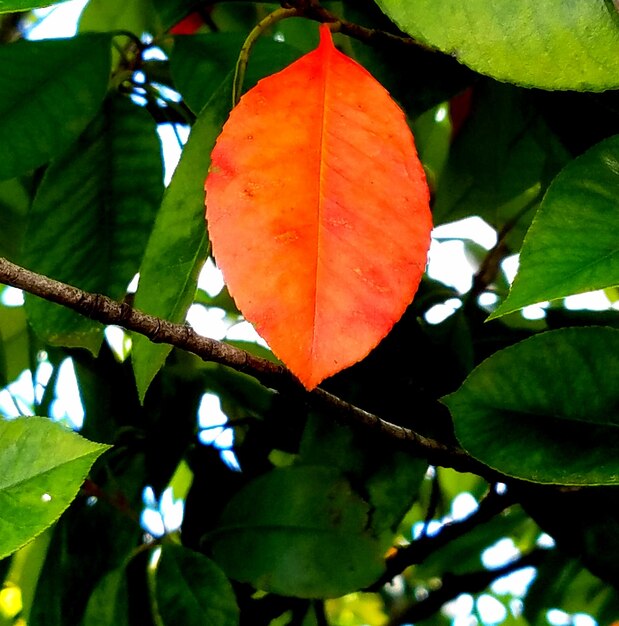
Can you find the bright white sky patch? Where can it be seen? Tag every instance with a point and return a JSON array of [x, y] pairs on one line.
[[490, 609], [57, 21]]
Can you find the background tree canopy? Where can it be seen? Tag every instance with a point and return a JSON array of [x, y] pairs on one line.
[[466, 469]]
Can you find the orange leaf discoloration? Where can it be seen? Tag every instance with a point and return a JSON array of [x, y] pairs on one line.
[[318, 211]]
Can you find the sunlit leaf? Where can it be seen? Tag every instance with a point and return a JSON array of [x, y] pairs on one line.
[[137, 16], [552, 45], [14, 343], [314, 169], [298, 531], [431, 78], [10, 6], [178, 244], [40, 115], [42, 466], [573, 243], [545, 409]]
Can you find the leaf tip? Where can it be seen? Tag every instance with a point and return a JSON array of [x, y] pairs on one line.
[[326, 39]]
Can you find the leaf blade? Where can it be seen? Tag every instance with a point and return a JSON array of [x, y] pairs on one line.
[[178, 246], [578, 212], [39, 116], [548, 45], [192, 589], [283, 206], [11, 6], [555, 395], [287, 529], [35, 489], [101, 218]]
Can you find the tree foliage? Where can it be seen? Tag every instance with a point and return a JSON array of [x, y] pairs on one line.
[[341, 505]]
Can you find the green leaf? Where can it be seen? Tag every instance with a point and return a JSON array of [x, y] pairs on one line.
[[391, 478], [573, 243], [11, 6], [103, 195], [192, 590], [298, 531], [551, 45], [109, 603], [42, 466], [199, 63], [178, 245], [500, 162], [464, 554], [15, 200], [50, 91], [170, 12], [137, 16], [431, 77], [14, 343], [75, 564], [545, 409]]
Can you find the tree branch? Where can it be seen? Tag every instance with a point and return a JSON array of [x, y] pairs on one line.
[[455, 584], [420, 549], [107, 311], [312, 10]]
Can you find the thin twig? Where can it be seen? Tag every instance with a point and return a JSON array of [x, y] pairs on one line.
[[312, 10], [107, 311], [241, 64], [455, 584], [489, 269], [419, 550]]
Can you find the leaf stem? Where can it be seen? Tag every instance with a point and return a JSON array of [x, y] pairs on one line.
[[313, 10], [259, 28]]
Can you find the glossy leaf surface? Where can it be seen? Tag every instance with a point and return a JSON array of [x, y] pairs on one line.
[[509, 410], [35, 488], [35, 129], [551, 45], [9, 6], [137, 16], [315, 168], [101, 219], [579, 213], [178, 245], [288, 528]]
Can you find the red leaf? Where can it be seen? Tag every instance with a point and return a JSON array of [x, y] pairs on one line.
[[318, 212], [188, 25]]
